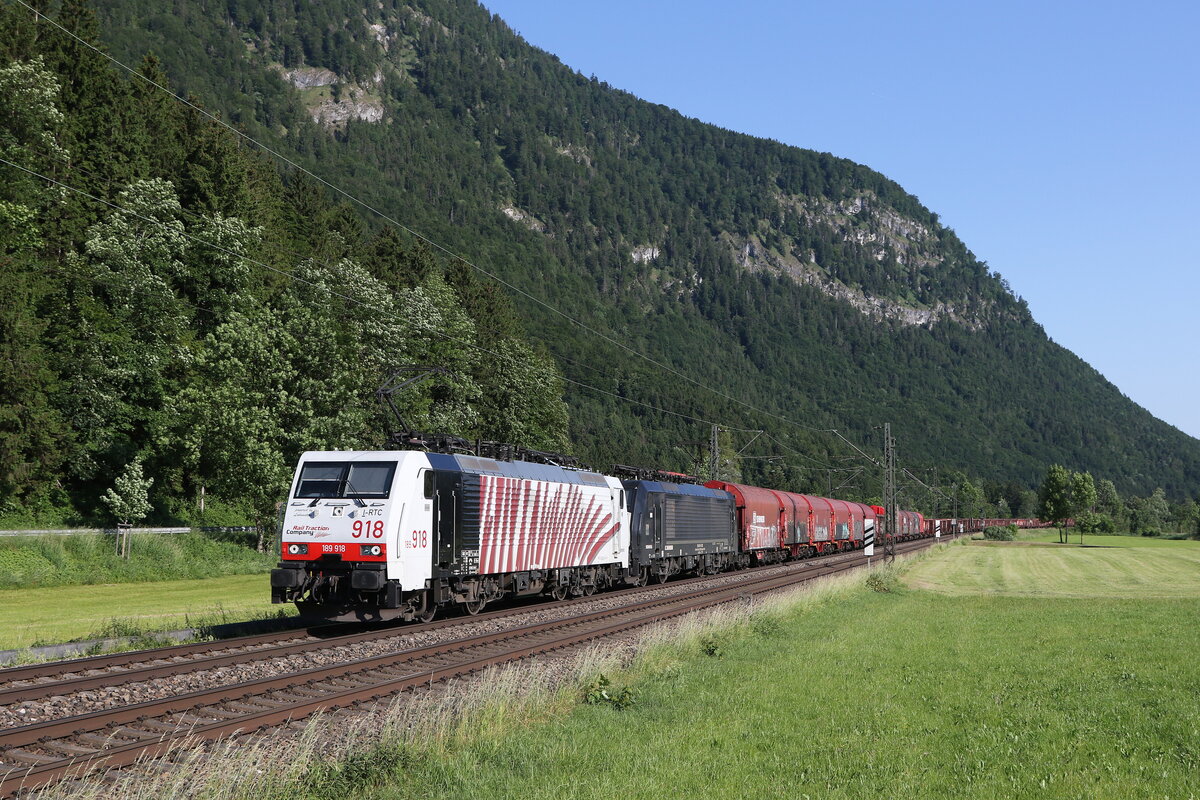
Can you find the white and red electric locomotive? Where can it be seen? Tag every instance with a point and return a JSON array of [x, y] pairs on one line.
[[397, 534]]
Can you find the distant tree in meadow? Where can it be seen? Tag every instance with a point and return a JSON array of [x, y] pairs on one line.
[[1054, 499]]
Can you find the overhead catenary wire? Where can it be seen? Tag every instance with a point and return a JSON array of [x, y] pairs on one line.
[[933, 489], [822, 466]]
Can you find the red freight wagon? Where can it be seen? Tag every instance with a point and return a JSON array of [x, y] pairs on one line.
[[849, 523], [794, 520], [841, 523], [821, 527], [761, 517], [909, 524], [823, 524]]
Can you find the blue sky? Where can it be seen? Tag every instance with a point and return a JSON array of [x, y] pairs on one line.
[[1060, 140]]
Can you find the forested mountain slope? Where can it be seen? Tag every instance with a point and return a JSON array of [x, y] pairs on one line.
[[168, 302], [741, 262], [788, 286]]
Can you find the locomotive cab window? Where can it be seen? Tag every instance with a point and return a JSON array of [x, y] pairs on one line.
[[320, 479], [370, 479], [335, 479]]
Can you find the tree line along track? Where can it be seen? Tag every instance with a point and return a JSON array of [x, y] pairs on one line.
[[40, 753]]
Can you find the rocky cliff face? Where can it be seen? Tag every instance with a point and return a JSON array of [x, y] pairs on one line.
[[903, 247], [331, 101]]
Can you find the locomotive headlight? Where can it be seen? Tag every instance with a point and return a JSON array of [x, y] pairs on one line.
[[370, 549], [297, 549]]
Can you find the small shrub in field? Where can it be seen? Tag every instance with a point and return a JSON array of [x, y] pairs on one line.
[[882, 580], [602, 692], [766, 625], [711, 646], [999, 533]]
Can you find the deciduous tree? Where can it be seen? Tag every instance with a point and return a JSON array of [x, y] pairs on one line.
[[129, 498], [1054, 499]]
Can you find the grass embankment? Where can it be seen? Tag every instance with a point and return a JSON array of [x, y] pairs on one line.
[[899, 694], [51, 615], [28, 561]]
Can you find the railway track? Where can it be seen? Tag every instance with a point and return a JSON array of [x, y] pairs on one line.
[[58, 678], [40, 753]]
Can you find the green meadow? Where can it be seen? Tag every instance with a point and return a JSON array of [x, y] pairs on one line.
[[974, 672], [63, 614], [1105, 567]]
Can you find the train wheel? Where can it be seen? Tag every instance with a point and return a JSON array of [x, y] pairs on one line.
[[589, 589], [560, 591], [643, 577], [473, 607], [429, 611]]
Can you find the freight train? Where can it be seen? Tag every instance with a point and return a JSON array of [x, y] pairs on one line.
[[376, 535]]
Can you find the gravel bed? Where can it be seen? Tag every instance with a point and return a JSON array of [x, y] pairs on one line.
[[406, 637]]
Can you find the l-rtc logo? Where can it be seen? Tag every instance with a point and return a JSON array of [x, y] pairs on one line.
[[758, 518]]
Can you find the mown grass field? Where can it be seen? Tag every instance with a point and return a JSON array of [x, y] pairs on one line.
[[61, 614], [1112, 567], [1050, 536], [907, 693]]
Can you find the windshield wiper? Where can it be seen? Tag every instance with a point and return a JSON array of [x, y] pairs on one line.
[[351, 490]]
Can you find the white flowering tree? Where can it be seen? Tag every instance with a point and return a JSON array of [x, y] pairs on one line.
[[128, 501]]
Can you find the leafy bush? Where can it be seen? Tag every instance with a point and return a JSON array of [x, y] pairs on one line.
[[602, 692], [217, 513], [1092, 522], [882, 580], [1000, 533], [42, 510]]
